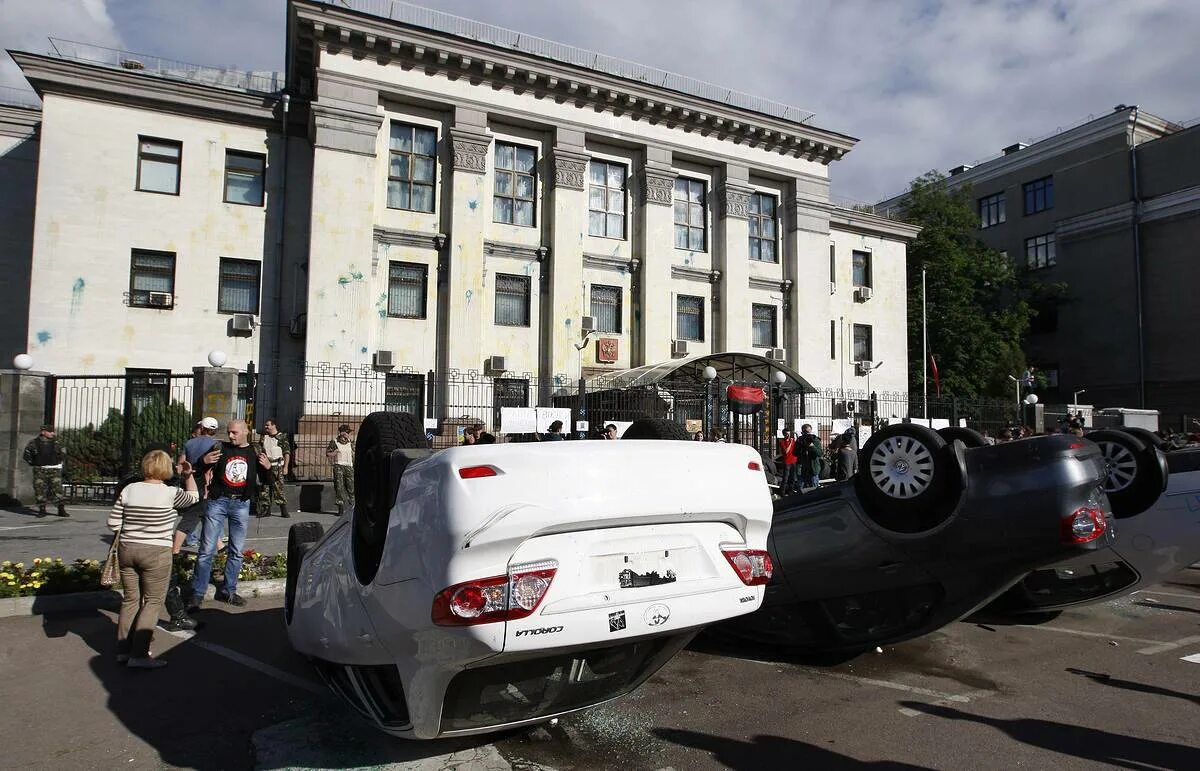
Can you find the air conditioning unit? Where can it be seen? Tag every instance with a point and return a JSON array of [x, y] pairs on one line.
[[383, 360], [679, 348], [161, 299], [776, 354], [862, 294], [242, 322], [587, 324], [496, 364], [862, 367]]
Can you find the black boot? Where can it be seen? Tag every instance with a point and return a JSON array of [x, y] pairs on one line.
[[180, 620], [62, 510], [340, 511], [41, 510], [283, 512]]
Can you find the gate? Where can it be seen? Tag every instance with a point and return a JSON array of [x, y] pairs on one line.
[[104, 422]]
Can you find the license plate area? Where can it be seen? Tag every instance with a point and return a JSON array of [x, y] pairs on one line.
[[647, 568], [652, 569]]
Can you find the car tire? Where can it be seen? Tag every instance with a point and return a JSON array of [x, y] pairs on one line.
[[968, 436], [909, 479], [654, 428], [1149, 438], [379, 434], [302, 536], [1137, 473]]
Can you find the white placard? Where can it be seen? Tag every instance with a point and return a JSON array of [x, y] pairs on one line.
[[962, 422], [581, 425], [431, 423], [936, 423], [864, 433], [518, 420], [547, 415], [840, 426]]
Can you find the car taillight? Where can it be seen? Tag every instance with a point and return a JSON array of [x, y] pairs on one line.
[[754, 466], [500, 598], [753, 566], [477, 472], [1086, 524]]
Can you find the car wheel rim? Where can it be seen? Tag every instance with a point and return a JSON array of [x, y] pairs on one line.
[[1120, 465], [902, 467]]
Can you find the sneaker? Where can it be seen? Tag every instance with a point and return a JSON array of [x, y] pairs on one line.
[[233, 599], [181, 623], [145, 663]]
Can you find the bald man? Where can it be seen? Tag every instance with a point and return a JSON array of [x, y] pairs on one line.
[[237, 472]]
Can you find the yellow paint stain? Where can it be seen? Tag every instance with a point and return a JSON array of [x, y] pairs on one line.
[[127, 333], [87, 360], [52, 233], [122, 362]]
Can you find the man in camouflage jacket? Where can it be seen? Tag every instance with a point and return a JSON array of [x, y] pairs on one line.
[[46, 458]]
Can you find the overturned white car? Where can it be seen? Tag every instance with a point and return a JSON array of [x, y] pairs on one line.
[[490, 586]]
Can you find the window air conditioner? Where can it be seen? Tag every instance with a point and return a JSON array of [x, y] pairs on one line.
[[496, 363], [383, 360], [776, 354], [161, 299], [862, 294], [862, 367], [242, 322], [587, 324], [679, 348]]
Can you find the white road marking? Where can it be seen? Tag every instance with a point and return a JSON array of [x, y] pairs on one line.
[[1083, 633], [1169, 594], [1193, 659], [1168, 646], [23, 527], [252, 663]]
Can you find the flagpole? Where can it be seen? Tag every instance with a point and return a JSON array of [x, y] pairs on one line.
[[924, 352]]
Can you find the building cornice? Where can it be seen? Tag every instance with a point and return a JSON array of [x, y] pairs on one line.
[[1173, 204], [20, 122], [870, 224], [335, 29], [688, 273], [517, 251], [413, 238], [52, 75], [606, 262], [770, 284]]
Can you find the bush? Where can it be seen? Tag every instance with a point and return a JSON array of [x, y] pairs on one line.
[[95, 453]]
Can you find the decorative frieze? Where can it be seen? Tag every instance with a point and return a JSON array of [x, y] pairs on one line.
[[570, 170], [470, 150], [658, 187], [735, 201]]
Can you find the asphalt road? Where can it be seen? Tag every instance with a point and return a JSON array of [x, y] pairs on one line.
[[1115, 685]]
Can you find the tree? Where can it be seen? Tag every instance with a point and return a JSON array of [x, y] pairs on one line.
[[978, 307], [96, 453]]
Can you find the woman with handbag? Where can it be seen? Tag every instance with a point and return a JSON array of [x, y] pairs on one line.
[[143, 519]]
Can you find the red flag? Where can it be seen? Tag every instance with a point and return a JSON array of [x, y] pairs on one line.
[[937, 381]]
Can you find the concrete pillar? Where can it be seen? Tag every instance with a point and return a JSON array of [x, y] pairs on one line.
[[732, 254], [469, 287], [656, 186], [568, 213], [22, 412], [215, 394], [806, 263]]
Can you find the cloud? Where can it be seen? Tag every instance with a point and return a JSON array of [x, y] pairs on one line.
[[923, 84], [26, 24]]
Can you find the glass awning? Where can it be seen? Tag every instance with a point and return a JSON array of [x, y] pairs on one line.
[[735, 367]]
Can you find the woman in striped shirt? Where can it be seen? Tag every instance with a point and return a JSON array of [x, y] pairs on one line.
[[145, 514]]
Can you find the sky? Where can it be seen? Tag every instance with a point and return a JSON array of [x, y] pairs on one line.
[[922, 84]]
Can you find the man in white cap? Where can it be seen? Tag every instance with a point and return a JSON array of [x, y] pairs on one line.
[[203, 440]]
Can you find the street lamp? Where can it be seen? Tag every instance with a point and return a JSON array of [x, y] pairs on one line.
[[1017, 382], [23, 361], [780, 378], [1075, 397], [217, 358], [871, 368], [710, 377]]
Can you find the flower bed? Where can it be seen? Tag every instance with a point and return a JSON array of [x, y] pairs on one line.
[[46, 575]]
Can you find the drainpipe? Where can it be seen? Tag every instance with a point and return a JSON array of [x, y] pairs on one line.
[[1137, 259], [285, 101]]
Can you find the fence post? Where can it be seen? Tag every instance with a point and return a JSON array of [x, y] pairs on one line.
[[583, 410], [954, 410], [23, 410], [874, 398], [215, 394], [127, 424]]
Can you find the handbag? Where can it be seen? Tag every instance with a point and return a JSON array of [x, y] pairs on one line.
[[110, 573]]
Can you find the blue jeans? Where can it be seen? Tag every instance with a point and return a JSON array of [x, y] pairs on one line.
[[216, 513], [789, 482], [811, 480]]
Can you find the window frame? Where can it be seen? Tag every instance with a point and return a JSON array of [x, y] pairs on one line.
[[496, 170], [753, 216], [868, 269], [688, 205], [433, 182], [995, 204], [1043, 186], [620, 305], [424, 303], [525, 281], [870, 342], [141, 155], [1048, 244], [754, 308], [262, 193], [699, 317], [607, 191], [133, 292], [221, 308]]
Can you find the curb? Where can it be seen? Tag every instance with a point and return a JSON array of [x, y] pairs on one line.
[[110, 599]]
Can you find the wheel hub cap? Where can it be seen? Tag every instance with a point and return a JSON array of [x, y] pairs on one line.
[[902, 467], [1120, 467]]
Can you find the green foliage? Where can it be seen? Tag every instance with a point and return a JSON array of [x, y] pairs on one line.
[[46, 575], [95, 453], [978, 306]]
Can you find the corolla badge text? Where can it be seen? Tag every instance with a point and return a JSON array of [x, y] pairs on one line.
[[657, 614], [540, 630]]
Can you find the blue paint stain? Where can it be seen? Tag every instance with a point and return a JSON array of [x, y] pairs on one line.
[[78, 287], [470, 294], [473, 204], [43, 337], [363, 349], [343, 280], [76, 294]]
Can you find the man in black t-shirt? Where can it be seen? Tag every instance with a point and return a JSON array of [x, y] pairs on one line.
[[237, 472]]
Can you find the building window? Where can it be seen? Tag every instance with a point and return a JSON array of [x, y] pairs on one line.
[[764, 326], [512, 300], [832, 265], [689, 318], [762, 227], [862, 343], [407, 282], [244, 174], [606, 308], [508, 392], [832, 339], [404, 393], [606, 200], [1039, 251], [238, 290], [862, 268], [152, 279], [412, 162], [690, 219], [1039, 195], [515, 193], [158, 165], [992, 210]]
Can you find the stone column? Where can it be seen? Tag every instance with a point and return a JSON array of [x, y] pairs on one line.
[[22, 412], [469, 292], [215, 394], [569, 213], [656, 186], [733, 259]]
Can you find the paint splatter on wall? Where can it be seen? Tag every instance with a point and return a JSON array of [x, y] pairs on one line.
[[43, 337], [77, 294]]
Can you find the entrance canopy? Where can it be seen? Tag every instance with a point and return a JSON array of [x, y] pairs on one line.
[[736, 367]]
